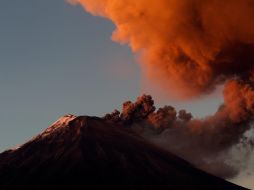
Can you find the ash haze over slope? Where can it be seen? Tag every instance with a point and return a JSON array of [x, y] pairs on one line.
[[83, 152], [187, 48], [215, 144]]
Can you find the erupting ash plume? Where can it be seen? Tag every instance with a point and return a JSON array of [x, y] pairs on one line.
[[212, 144], [189, 47]]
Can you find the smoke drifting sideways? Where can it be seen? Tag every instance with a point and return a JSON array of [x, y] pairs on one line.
[[218, 144], [187, 47]]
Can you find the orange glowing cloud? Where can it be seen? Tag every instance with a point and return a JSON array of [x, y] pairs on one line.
[[186, 46]]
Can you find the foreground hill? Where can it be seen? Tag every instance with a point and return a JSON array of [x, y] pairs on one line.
[[88, 152]]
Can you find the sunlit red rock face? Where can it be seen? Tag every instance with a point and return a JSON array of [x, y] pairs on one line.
[[88, 152]]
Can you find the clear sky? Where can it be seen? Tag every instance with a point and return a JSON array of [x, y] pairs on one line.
[[57, 59]]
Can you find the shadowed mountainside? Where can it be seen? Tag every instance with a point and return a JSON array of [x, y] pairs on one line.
[[89, 152]]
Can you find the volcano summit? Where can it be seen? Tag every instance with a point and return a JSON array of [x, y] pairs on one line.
[[89, 152]]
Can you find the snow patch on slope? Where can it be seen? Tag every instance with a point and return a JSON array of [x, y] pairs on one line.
[[61, 122]]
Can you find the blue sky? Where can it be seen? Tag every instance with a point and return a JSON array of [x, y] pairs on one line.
[[57, 59]]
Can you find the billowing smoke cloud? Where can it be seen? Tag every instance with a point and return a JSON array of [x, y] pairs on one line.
[[187, 48], [217, 144]]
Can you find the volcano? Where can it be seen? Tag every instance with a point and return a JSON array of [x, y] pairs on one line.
[[89, 152]]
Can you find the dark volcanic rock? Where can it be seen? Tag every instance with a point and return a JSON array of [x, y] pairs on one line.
[[88, 152]]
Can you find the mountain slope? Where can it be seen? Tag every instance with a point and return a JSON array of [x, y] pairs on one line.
[[83, 152]]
